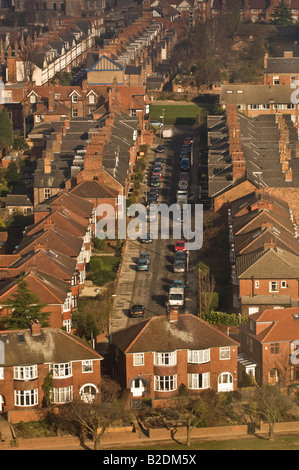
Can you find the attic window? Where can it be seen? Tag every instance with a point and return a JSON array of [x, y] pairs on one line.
[[296, 316], [229, 92], [20, 338], [240, 91], [74, 99], [57, 96]]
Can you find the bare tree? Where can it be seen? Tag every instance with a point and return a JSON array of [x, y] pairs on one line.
[[191, 412], [94, 416], [26, 55], [270, 404]]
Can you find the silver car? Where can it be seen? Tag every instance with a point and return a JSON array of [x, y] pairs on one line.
[[178, 267]]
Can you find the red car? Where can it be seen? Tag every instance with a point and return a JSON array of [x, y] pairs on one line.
[[188, 141], [180, 246]]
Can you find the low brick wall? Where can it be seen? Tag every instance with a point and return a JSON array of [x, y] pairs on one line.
[[117, 436]]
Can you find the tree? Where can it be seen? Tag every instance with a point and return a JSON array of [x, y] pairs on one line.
[[25, 306], [6, 131], [63, 78], [193, 412], [270, 404], [94, 416], [27, 57], [282, 14], [12, 174]]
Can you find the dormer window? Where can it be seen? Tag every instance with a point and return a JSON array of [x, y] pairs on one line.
[[91, 99], [32, 99], [74, 99]]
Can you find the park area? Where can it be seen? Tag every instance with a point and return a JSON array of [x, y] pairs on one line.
[[176, 112]]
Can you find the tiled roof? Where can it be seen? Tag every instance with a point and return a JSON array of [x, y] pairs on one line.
[[158, 334], [270, 263], [52, 346], [54, 239], [283, 325], [94, 190]]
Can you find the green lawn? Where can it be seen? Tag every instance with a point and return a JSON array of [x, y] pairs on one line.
[[186, 114], [279, 442], [109, 262]]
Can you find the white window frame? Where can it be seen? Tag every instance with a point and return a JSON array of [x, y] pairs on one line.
[[138, 359], [165, 358], [1, 374], [68, 325], [283, 284], [25, 372], [257, 284], [272, 288], [87, 366], [26, 398], [224, 353], [62, 395], [75, 99], [199, 356], [194, 381], [91, 99], [61, 370], [166, 383]]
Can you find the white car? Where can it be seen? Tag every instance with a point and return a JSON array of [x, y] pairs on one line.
[[183, 184]]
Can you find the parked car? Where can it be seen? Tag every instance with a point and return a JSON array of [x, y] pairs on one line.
[[178, 283], [146, 257], [160, 149], [180, 246], [137, 311], [150, 215], [178, 267], [185, 176], [188, 140], [159, 160], [148, 239], [180, 256], [183, 184], [184, 154], [157, 175], [142, 265], [155, 182], [156, 124], [185, 164], [186, 148]]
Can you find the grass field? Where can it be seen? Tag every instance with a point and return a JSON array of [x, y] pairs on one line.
[[279, 442], [175, 114]]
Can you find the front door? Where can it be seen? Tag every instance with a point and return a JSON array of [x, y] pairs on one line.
[[225, 382], [137, 387], [273, 376]]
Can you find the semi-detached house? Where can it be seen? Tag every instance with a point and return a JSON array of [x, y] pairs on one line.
[[154, 357]]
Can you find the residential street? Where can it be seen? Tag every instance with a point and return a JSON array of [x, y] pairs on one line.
[[151, 288]]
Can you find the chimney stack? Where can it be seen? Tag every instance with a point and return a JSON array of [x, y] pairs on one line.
[[173, 314], [35, 328]]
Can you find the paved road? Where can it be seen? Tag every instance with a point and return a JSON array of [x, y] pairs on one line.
[[151, 288]]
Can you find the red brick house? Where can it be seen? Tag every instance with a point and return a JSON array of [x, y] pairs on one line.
[[268, 347], [152, 358], [264, 253], [26, 360], [55, 294]]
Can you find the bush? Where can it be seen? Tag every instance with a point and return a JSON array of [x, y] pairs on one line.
[[100, 278], [95, 264]]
